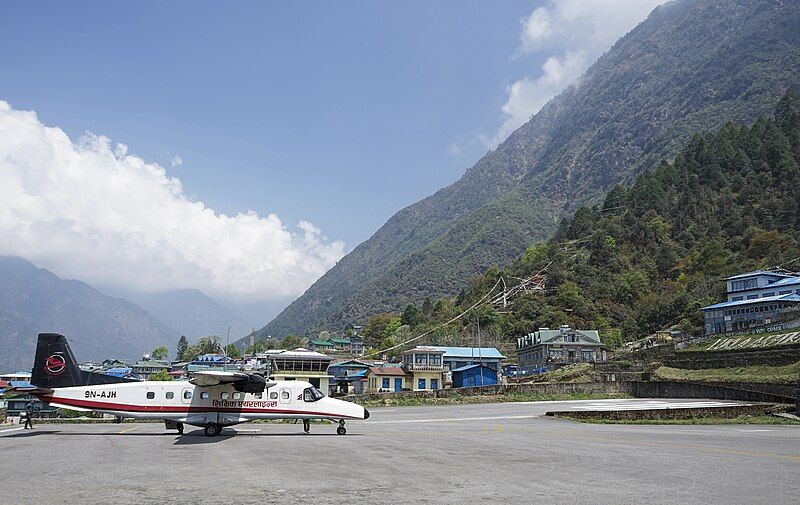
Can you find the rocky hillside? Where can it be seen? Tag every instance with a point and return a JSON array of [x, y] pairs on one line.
[[692, 66], [33, 300]]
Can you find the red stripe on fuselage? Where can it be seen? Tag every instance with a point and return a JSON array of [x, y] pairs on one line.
[[178, 409]]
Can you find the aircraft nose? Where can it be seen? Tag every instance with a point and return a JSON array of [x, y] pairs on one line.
[[366, 414]]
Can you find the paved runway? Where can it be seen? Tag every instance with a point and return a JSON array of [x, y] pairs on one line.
[[494, 453]]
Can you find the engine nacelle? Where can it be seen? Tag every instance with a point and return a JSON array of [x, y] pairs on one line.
[[252, 384]]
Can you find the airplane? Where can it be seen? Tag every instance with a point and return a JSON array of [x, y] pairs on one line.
[[210, 399]]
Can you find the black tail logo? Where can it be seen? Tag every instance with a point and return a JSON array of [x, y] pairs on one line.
[[55, 366]]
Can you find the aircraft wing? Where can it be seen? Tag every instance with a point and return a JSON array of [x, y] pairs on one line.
[[215, 378], [27, 389], [244, 382]]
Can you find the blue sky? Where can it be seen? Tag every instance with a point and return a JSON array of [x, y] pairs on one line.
[[322, 118], [339, 113]]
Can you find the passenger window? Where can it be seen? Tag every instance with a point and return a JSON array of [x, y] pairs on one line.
[[284, 395], [273, 396], [224, 395], [187, 395], [204, 395], [170, 395], [258, 396], [237, 396], [150, 395]]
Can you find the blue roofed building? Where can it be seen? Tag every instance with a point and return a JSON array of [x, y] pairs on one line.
[[755, 299], [456, 357], [469, 376]]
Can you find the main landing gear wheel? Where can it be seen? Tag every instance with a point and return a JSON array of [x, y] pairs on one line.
[[341, 430], [212, 429], [180, 428], [306, 425]]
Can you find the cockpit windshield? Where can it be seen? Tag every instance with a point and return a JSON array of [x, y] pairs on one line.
[[312, 394]]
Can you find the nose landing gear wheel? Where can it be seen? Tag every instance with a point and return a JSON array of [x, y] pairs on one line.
[[212, 429], [306, 425], [341, 430]]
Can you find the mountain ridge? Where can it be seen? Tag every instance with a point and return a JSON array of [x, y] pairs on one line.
[[35, 300], [691, 66]]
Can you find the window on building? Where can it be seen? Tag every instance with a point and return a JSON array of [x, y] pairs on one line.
[[204, 395], [187, 395], [385, 382], [421, 384], [273, 396], [224, 395], [150, 395], [170, 395], [434, 383]]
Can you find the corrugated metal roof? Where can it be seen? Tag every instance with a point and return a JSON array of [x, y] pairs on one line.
[[548, 335], [789, 281], [777, 298], [756, 272], [387, 370], [467, 352], [467, 367]]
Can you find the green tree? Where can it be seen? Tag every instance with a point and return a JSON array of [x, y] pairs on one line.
[[206, 345], [258, 346], [411, 316], [232, 351], [180, 350], [291, 342], [379, 327], [159, 353], [163, 375]]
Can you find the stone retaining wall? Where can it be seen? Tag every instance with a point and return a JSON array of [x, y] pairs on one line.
[[741, 392], [534, 388], [698, 360], [681, 413]]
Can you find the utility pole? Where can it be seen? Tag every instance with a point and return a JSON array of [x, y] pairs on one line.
[[480, 357]]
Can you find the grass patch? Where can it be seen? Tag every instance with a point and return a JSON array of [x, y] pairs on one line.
[[474, 399], [579, 372], [786, 374], [773, 420]]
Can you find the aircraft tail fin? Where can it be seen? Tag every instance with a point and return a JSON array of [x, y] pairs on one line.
[[55, 366]]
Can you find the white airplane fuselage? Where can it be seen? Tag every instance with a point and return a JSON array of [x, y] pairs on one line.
[[183, 402]]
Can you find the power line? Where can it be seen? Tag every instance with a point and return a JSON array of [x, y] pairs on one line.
[[456, 318]]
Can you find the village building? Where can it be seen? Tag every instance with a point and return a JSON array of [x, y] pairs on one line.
[[383, 379], [755, 299], [548, 349], [298, 364], [144, 369], [426, 367], [348, 376]]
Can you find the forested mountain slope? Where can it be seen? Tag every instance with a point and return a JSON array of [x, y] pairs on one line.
[[33, 300], [692, 66], [652, 254]]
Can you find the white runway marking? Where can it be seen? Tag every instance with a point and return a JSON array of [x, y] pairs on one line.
[[11, 429], [454, 419], [653, 404]]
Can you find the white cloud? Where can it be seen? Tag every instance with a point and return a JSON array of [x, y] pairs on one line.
[[89, 211], [571, 35], [455, 150], [176, 161]]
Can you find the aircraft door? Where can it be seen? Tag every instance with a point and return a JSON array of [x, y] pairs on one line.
[[286, 395]]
